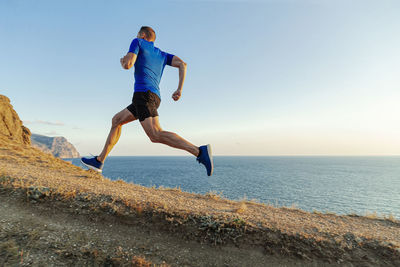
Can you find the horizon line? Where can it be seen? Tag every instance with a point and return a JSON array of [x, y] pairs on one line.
[[277, 155]]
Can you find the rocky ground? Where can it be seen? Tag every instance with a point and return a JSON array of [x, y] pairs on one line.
[[46, 234]]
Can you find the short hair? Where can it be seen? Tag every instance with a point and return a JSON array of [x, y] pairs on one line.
[[149, 32]]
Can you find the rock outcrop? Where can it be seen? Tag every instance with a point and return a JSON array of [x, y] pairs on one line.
[[58, 146], [10, 124]]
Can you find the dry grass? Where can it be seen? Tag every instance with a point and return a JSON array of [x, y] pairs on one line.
[[242, 207], [142, 262], [371, 215], [173, 189], [390, 218], [214, 195], [9, 252], [375, 216]]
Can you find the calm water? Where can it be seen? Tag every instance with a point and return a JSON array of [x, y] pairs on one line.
[[337, 184]]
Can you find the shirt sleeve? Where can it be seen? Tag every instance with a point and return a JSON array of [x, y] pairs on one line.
[[134, 48], [169, 58]]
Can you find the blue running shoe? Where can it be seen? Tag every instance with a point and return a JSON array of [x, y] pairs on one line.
[[205, 158], [92, 163]]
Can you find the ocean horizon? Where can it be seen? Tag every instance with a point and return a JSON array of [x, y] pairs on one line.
[[361, 185]]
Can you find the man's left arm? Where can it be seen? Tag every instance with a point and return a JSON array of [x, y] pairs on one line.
[[128, 60], [181, 65]]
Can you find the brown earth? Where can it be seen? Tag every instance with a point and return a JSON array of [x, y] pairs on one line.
[[49, 234], [54, 213]]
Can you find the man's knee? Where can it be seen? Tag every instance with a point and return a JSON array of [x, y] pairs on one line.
[[116, 121], [154, 137]]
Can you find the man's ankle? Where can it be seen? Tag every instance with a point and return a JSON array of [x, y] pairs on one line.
[[98, 159]]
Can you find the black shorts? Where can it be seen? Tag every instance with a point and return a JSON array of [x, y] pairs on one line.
[[144, 105]]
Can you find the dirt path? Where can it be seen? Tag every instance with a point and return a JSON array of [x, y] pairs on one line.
[[41, 234]]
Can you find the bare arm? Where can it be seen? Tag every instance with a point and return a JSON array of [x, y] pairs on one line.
[[128, 60], [179, 63]]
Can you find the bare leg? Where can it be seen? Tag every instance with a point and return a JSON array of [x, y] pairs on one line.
[[121, 118], [153, 129]]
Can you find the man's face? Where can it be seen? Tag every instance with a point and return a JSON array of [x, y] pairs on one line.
[[140, 35]]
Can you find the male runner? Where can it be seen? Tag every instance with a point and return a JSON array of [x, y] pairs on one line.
[[149, 62]]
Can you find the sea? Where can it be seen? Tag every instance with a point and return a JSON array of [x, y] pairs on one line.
[[362, 185]]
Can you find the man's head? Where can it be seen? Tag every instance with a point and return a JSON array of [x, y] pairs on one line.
[[147, 33]]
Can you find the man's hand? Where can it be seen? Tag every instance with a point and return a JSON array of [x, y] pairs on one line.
[[122, 63], [128, 61], [176, 95]]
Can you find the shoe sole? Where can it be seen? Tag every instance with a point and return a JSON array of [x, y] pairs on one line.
[[209, 152], [91, 167]]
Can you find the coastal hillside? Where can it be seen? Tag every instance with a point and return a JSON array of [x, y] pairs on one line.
[[10, 124], [12, 127], [58, 146], [57, 214]]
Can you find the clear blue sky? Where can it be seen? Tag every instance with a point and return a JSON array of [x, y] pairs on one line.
[[284, 77]]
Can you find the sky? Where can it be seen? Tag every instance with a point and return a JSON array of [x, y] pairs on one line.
[[264, 77]]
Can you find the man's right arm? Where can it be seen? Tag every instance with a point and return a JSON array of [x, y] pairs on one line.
[[130, 58], [181, 65], [128, 61]]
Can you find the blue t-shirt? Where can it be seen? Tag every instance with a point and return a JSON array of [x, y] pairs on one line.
[[149, 65]]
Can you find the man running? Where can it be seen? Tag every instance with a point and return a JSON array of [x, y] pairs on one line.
[[149, 62]]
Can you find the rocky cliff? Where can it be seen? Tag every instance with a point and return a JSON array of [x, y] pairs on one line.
[[10, 124], [58, 146]]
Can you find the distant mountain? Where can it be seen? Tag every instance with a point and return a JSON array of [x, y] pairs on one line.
[[58, 146]]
